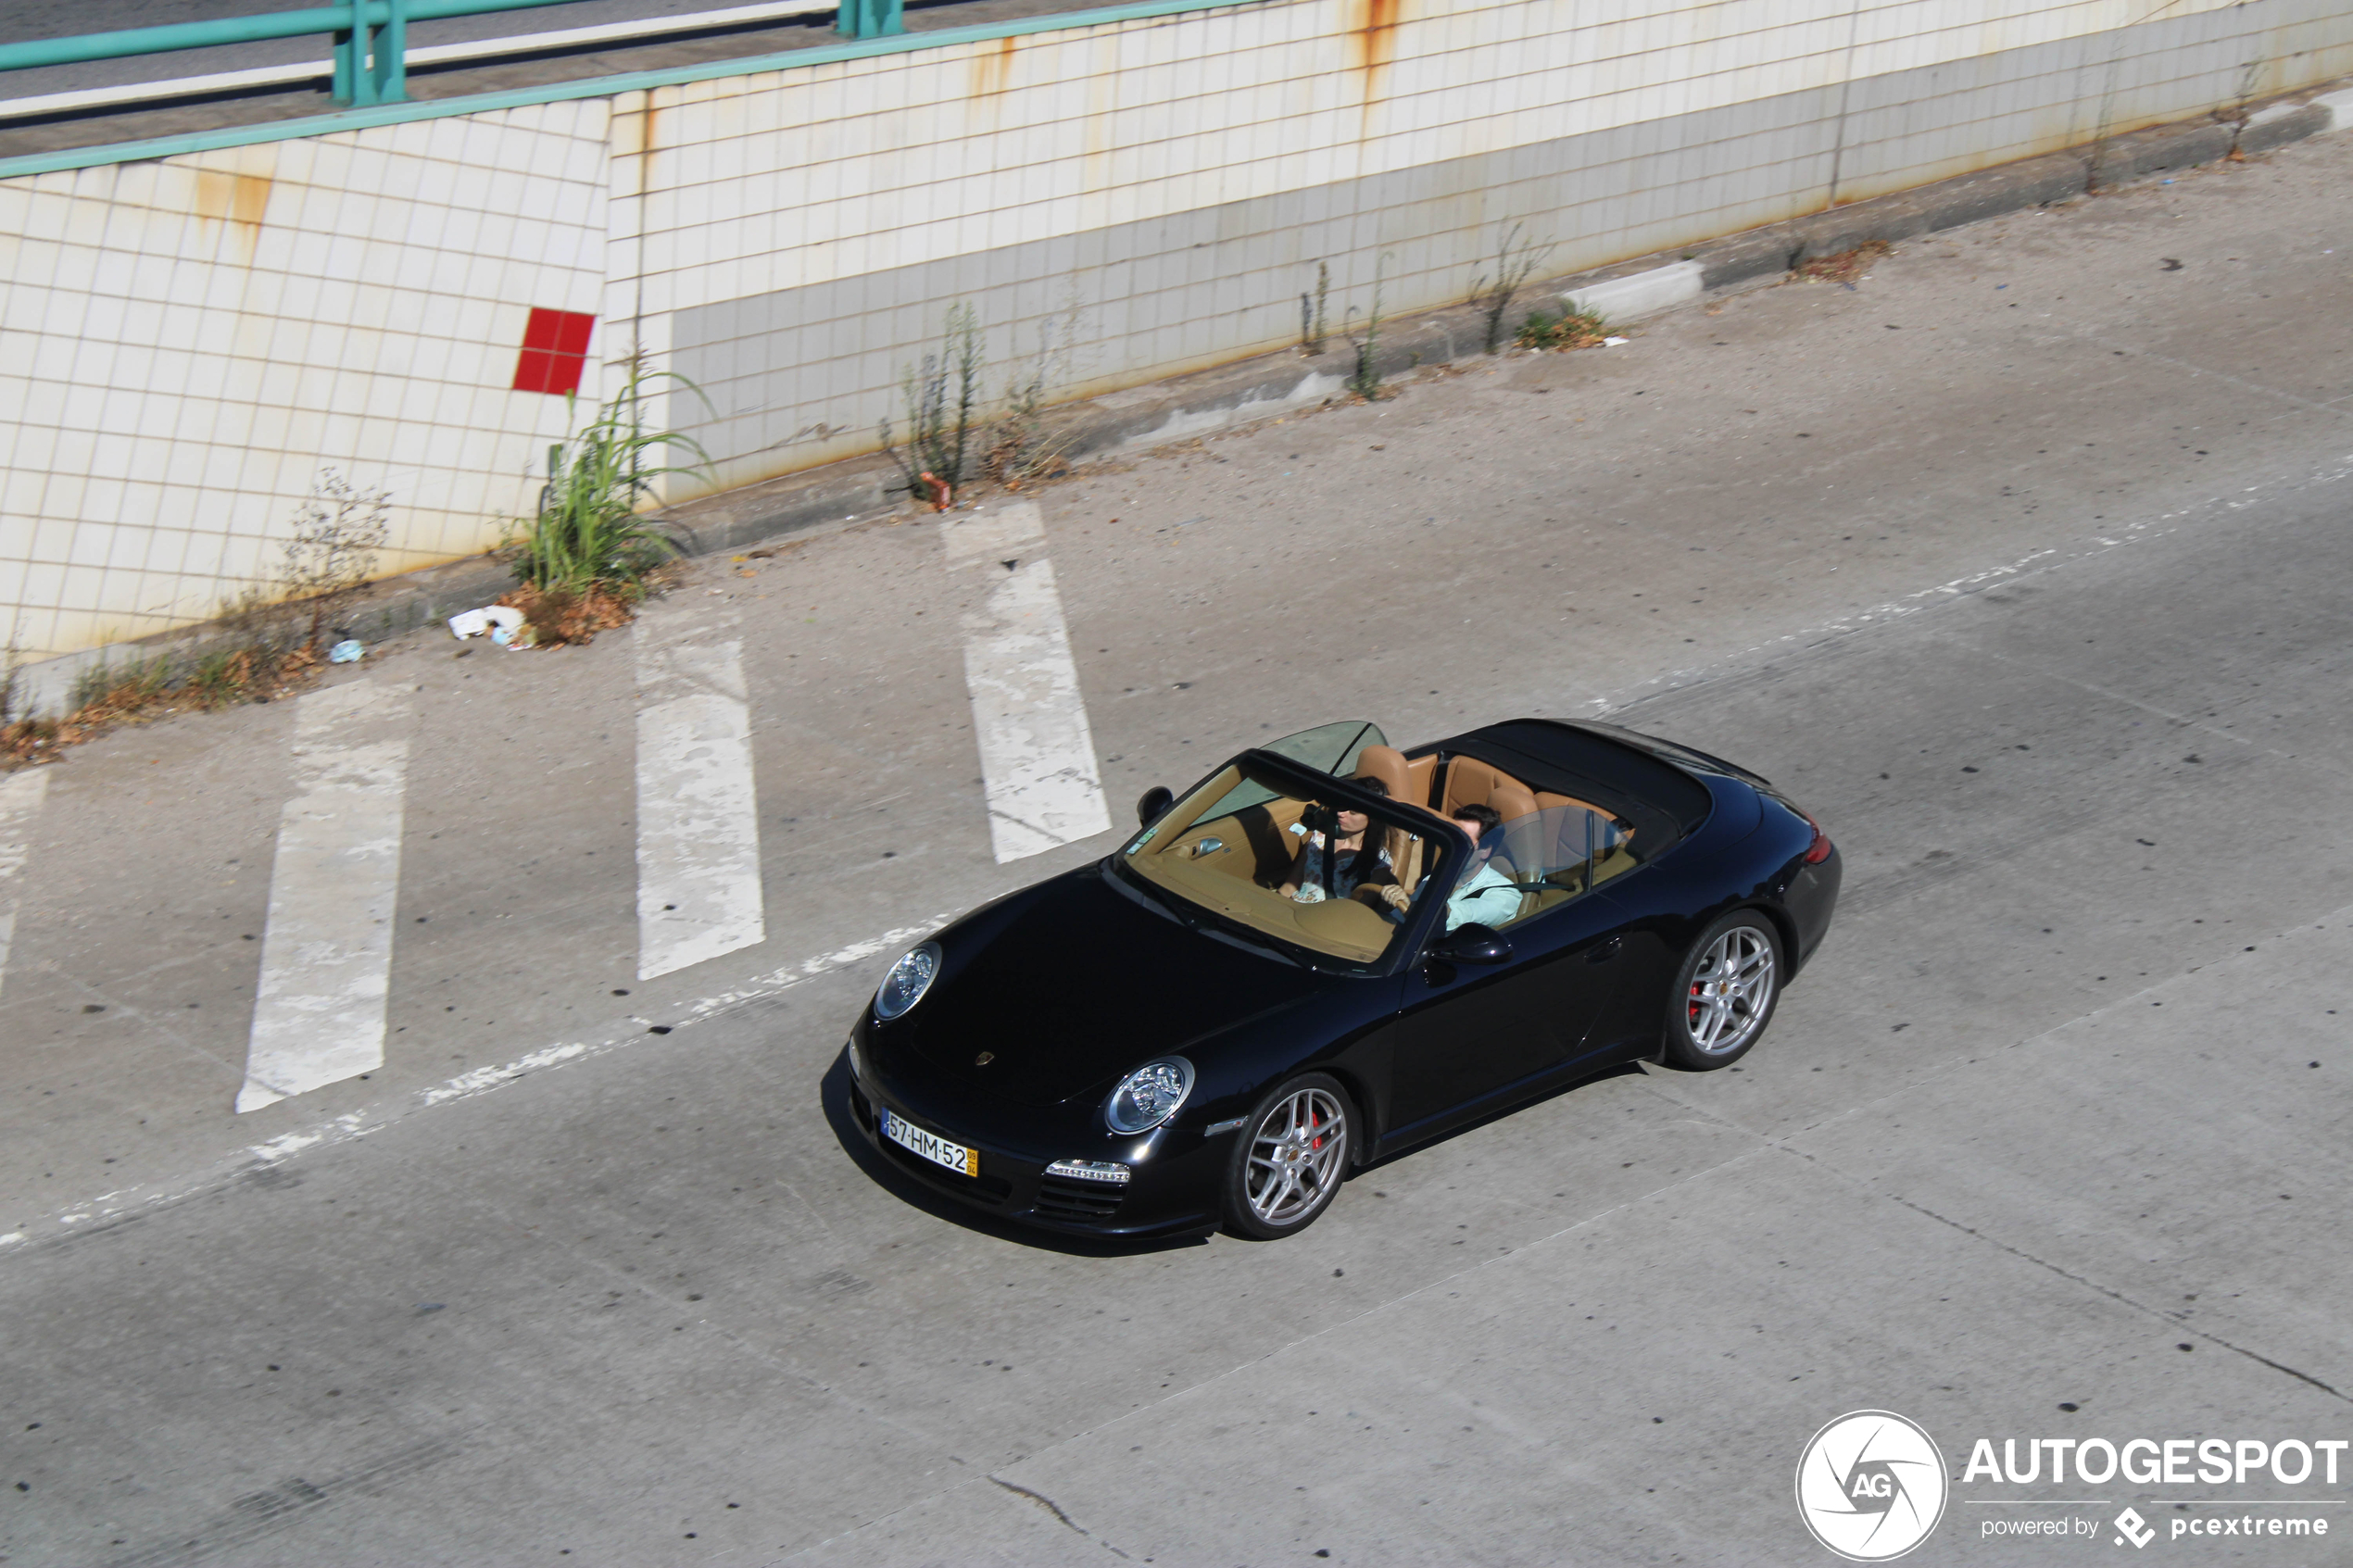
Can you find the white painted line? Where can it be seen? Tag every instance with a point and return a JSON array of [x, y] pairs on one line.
[[1037, 751], [765, 986], [20, 796], [698, 892], [138, 92], [437, 54], [466, 1086], [326, 954], [482, 1080]]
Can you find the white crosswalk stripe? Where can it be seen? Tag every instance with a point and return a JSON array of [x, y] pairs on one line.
[[1036, 749], [20, 796], [699, 890], [326, 952]]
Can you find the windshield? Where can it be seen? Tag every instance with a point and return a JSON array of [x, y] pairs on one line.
[[1253, 845], [1329, 749]]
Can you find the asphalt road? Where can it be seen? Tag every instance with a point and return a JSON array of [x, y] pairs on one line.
[[2022, 564]]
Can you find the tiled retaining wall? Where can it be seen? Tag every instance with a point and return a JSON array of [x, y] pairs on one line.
[[800, 236], [185, 343], [175, 367]]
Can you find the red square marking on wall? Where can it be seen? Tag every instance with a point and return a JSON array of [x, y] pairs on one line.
[[555, 345]]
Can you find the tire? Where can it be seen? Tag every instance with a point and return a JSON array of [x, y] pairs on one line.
[[1290, 1158], [1724, 993]]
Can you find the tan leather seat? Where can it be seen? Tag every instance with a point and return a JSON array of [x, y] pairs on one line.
[[1421, 772], [1388, 765], [1548, 802], [1408, 781], [1472, 782]]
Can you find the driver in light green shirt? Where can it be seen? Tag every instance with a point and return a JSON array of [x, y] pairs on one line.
[[1486, 896]]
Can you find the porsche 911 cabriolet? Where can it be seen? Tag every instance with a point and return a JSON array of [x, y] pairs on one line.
[[1328, 951]]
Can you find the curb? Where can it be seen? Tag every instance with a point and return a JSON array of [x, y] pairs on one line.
[[378, 611], [1184, 407]]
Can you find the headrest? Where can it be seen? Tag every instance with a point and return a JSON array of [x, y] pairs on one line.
[[1387, 764], [1511, 801]]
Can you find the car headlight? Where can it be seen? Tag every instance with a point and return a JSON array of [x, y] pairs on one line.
[[907, 982], [1149, 1096]]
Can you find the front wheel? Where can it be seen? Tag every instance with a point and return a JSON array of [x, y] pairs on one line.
[[1290, 1158], [1724, 994]]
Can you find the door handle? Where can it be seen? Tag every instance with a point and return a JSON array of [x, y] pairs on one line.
[[1605, 952]]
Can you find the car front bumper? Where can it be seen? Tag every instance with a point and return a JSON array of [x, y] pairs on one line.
[[1171, 1189]]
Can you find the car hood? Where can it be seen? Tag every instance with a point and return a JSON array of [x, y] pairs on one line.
[[1075, 981]]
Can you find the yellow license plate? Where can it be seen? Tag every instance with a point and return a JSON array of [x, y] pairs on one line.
[[931, 1146]]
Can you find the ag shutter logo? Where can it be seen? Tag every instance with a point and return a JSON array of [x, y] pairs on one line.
[[1871, 1485]]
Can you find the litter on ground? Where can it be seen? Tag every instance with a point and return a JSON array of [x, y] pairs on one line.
[[475, 622]]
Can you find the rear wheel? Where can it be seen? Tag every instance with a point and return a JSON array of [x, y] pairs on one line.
[[1290, 1158], [1724, 994]]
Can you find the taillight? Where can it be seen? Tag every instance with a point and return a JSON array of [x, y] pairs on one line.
[[1820, 850]]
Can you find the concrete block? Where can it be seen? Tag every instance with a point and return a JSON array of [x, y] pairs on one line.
[[2145, 152], [2339, 109], [2282, 124], [1747, 256], [1644, 293]]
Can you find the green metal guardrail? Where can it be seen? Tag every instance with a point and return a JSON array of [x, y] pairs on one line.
[[371, 38], [369, 116]]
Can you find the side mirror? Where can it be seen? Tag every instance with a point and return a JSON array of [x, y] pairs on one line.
[[1152, 803], [1471, 944]]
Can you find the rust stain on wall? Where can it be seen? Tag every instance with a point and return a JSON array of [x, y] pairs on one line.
[[993, 67], [1372, 40], [647, 141], [1102, 125], [238, 200], [234, 198]]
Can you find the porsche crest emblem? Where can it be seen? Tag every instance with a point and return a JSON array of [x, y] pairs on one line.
[[984, 1058]]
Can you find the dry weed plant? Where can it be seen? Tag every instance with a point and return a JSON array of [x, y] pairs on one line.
[[1846, 266], [558, 615], [1570, 329], [271, 647], [339, 531], [117, 696], [1020, 452], [1516, 261]]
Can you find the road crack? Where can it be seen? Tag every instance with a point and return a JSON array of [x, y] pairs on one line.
[[1050, 1506], [2119, 1297]]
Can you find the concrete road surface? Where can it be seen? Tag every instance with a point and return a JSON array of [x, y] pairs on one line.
[[2023, 564]]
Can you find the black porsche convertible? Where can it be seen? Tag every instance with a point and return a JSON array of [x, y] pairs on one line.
[[1329, 950]]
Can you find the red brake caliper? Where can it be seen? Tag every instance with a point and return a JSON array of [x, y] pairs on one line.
[[1315, 1121]]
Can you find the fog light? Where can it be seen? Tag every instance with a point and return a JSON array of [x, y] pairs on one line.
[[1107, 1170]]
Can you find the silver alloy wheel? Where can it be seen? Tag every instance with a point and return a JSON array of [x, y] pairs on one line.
[[1730, 991], [1295, 1157]]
